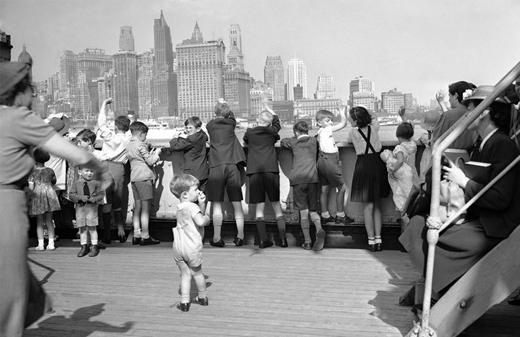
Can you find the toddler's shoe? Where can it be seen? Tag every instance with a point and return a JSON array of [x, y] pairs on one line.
[[39, 248], [307, 246], [84, 251], [265, 244], [183, 307], [94, 251], [202, 301], [51, 247], [219, 243], [149, 241], [238, 242], [320, 240], [283, 243], [325, 221], [136, 241], [344, 220]]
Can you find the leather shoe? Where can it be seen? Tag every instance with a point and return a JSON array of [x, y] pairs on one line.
[[94, 251], [84, 251], [378, 247], [325, 221], [219, 243], [307, 246], [183, 307], [149, 241], [372, 248], [122, 239], [283, 243], [101, 246], [515, 300], [136, 241], [202, 301], [320, 240], [265, 244], [238, 242], [106, 240]]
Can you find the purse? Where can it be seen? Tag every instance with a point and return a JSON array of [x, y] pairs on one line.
[[418, 202]]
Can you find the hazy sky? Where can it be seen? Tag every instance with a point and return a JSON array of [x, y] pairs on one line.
[[417, 46]]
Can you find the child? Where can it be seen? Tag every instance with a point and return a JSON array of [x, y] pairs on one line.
[[400, 178], [188, 234], [304, 182], [142, 178], [263, 173], [87, 194], [114, 150], [369, 183], [226, 160], [329, 167], [406, 149], [193, 144], [45, 201]]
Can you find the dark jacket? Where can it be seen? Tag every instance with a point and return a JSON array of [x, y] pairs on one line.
[[305, 153], [224, 145], [195, 154], [261, 155]]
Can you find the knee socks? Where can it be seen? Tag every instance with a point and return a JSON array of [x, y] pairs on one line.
[[306, 230], [280, 222], [217, 226], [260, 226], [240, 226]]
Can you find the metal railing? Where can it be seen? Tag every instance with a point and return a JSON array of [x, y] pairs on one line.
[[434, 223]]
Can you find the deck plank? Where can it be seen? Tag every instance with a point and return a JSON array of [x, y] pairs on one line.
[[132, 291]]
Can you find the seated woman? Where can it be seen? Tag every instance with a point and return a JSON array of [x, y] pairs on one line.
[[491, 219]]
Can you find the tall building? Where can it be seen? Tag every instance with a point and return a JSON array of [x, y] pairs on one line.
[[257, 93], [145, 83], [5, 47], [235, 37], [125, 83], [391, 101], [237, 83], [165, 80], [25, 57], [362, 92], [409, 101], [307, 108], [68, 77], [296, 74], [200, 75], [274, 77], [126, 39], [325, 87]]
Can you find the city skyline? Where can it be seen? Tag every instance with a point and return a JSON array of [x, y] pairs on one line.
[[417, 47]]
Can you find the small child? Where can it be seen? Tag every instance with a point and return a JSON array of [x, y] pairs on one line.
[[45, 201], [329, 167], [188, 235], [369, 183], [406, 149], [142, 178], [226, 161], [193, 144], [400, 178], [87, 194], [263, 172], [304, 182]]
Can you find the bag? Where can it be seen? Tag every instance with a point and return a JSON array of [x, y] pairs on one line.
[[418, 202], [451, 200]]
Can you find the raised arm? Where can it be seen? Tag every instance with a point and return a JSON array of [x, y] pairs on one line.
[[343, 119]]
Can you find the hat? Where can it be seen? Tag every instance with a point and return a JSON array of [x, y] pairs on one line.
[[481, 92], [11, 73], [59, 122], [430, 119]]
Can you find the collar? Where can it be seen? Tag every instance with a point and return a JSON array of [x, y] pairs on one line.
[[486, 138]]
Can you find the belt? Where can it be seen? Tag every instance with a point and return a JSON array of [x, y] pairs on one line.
[[10, 187], [115, 162]]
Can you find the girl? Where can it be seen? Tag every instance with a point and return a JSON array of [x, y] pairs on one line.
[[406, 149], [45, 201], [369, 183]]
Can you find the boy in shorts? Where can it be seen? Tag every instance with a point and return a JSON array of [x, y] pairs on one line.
[[263, 172], [142, 178], [329, 168], [304, 182], [188, 234], [226, 160], [193, 143]]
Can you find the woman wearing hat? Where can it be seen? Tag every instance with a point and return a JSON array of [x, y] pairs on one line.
[[22, 300], [492, 218]]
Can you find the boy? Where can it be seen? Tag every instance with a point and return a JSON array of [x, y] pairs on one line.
[[329, 168], [142, 178], [304, 182], [225, 156], [114, 149], [193, 144], [87, 194], [187, 244], [263, 173]]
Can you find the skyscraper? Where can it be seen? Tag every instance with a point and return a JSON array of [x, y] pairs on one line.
[[296, 74], [165, 80], [325, 87], [392, 100], [145, 83], [362, 92], [68, 76], [237, 82], [125, 83], [235, 37], [274, 77], [126, 39], [200, 75]]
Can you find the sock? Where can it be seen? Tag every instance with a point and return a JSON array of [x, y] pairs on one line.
[[51, 242], [378, 239], [325, 215], [217, 227], [40, 242], [280, 222], [306, 231], [185, 298], [316, 221], [260, 226], [340, 214], [203, 294], [94, 242], [371, 241], [137, 233]]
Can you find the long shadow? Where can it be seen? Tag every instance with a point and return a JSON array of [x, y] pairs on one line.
[[80, 323]]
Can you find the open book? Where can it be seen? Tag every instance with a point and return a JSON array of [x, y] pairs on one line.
[[476, 171]]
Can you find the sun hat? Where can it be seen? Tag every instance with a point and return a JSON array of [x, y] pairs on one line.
[[60, 122], [429, 120], [481, 92], [11, 73]]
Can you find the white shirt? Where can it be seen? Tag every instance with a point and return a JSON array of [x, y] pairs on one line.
[[327, 142]]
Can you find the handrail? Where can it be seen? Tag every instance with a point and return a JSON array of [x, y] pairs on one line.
[[434, 222]]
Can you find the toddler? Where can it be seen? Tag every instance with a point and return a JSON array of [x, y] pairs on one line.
[[188, 234], [399, 178]]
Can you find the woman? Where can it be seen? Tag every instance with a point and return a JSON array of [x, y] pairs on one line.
[[22, 300], [492, 218]]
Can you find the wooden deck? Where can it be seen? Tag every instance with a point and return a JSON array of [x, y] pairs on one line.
[[132, 291]]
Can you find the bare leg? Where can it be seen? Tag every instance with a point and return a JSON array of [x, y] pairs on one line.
[[280, 219], [368, 213], [260, 221], [217, 220], [378, 223], [39, 231], [185, 282], [324, 203], [200, 281], [136, 219], [239, 218], [145, 218], [50, 230]]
